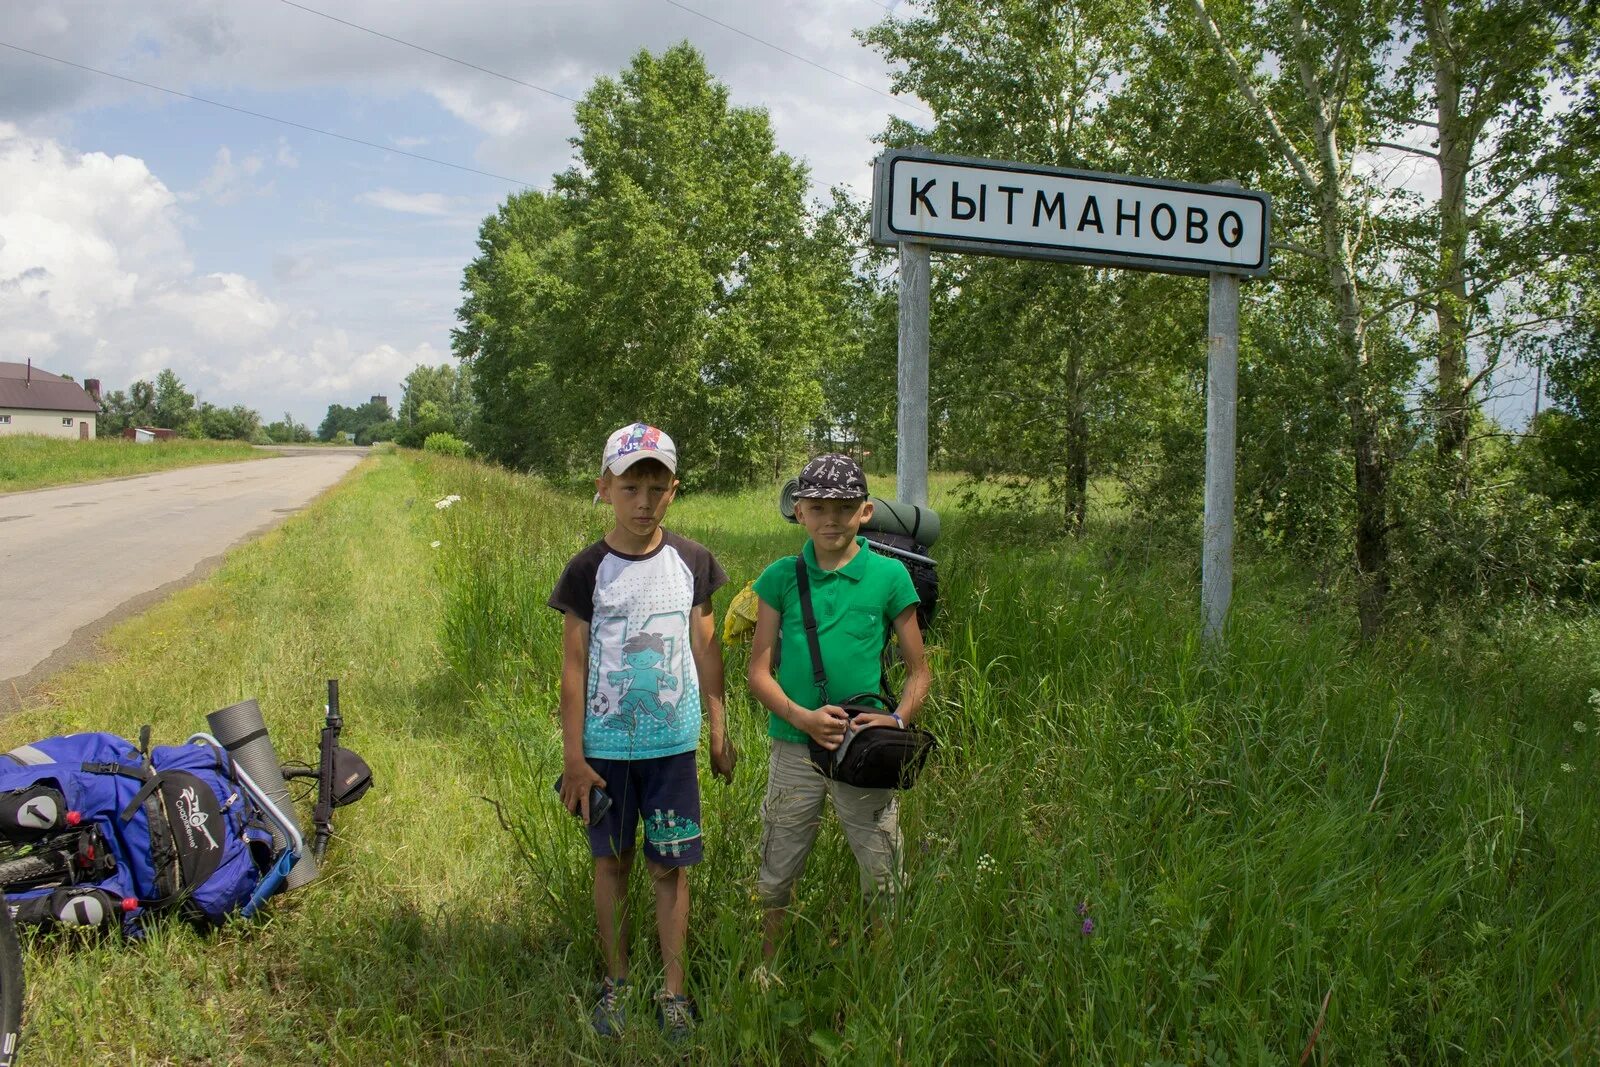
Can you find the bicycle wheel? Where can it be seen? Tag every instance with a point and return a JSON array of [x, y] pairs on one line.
[[42, 868], [10, 987]]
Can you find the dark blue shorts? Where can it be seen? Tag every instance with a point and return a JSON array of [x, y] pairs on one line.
[[665, 793]]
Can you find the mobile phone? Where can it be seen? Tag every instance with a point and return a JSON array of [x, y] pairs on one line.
[[599, 803]]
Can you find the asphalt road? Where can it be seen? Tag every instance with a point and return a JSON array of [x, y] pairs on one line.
[[77, 559]]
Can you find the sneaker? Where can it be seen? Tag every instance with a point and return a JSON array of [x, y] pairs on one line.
[[675, 1015], [609, 1014]]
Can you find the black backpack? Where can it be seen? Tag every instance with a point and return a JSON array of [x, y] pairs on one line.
[[914, 557], [872, 758]]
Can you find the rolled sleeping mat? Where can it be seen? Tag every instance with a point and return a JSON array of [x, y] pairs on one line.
[[888, 516], [243, 732]]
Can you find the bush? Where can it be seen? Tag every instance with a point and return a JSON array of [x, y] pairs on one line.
[[445, 443], [413, 434], [378, 431]]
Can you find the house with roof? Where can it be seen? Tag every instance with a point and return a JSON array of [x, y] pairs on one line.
[[36, 401]]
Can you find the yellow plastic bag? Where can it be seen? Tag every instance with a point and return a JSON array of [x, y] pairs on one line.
[[740, 621]]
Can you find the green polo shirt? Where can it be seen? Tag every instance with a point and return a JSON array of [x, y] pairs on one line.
[[855, 607]]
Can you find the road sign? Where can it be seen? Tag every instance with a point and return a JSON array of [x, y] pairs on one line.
[[922, 202], [994, 207]]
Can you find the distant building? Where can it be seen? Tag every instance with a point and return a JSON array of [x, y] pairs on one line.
[[36, 401], [143, 434]]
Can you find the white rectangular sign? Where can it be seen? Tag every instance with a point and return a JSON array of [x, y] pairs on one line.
[[996, 208]]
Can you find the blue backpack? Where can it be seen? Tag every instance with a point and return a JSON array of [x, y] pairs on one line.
[[94, 832]]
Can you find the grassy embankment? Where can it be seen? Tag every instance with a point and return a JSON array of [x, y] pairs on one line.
[[32, 461], [1388, 832]]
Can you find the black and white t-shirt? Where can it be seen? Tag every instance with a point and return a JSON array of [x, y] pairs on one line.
[[643, 696]]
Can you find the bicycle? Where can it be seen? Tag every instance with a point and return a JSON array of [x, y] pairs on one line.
[[98, 832]]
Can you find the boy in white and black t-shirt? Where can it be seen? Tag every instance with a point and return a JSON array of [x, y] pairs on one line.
[[639, 660]]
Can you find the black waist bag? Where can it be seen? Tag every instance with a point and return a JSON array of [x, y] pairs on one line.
[[874, 757]]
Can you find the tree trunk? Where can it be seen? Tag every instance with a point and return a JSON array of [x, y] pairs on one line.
[[1075, 494], [1077, 488], [1371, 473], [1455, 148]]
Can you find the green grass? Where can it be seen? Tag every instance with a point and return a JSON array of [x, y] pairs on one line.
[[32, 461], [1388, 829]]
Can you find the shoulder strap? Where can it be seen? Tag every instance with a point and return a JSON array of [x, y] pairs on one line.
[[809, 617]]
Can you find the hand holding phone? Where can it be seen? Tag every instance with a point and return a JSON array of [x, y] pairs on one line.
[[599, 803]]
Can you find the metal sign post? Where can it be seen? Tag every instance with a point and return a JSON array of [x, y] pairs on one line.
[[911, 464], [921, 202], [1222, 403]]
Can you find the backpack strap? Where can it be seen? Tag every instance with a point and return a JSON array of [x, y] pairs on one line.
[[150, 786], [809, 617], [121, 769]]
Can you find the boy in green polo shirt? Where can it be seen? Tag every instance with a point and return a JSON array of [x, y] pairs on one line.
[[856, 595]]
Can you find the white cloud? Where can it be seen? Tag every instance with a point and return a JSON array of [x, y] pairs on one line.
[[105, 268], [96, 280], [78, 232], [229, 182], [559, 45], [409, 203], [221, 308]]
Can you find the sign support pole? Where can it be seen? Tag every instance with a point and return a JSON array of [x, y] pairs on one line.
[[911, 463], [1222, 401]]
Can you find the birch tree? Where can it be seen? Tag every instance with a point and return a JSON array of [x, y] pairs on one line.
[[1304, 76]]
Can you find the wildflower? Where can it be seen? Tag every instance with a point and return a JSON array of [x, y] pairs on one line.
[[765, 978], [985, 863], [434, 545], [1088, 927], [1567, 768], [1580, 726], [1083, 908]]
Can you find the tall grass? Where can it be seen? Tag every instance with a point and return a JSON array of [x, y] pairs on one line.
[[417, 943], [1296, 847], [1299, 822], [31, 461]]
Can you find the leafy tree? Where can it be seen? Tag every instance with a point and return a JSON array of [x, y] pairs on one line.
[[339, 419], [237, 423], [1041, 371], [141, 404], [115, 413], [355, 422], [1325, 87], [669, 277], [1487, 81], [174, 406], [288, 431], [858, 380], [136, 407], [516, 292], [436, 400], [378, 431], [1304, 78]]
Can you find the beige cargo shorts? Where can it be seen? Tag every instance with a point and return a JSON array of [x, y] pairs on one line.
[[792, 812]]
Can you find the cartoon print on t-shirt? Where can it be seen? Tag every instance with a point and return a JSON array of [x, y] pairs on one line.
[[641, 680]]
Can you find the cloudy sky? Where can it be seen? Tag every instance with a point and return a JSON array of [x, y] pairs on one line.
[[284, 270]]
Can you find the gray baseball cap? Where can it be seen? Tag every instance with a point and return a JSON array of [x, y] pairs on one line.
[[832, 476]]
